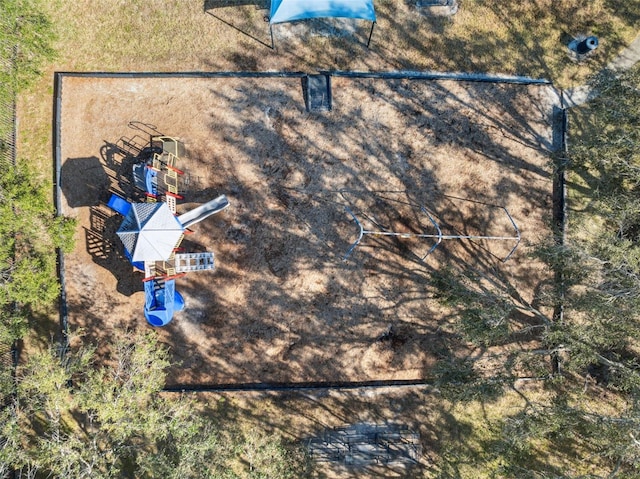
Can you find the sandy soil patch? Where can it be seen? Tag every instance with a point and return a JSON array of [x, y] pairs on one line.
[[282, 304]]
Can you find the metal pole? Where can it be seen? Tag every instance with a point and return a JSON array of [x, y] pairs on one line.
[[434, 222], [371, 33], [360, 234], [273, 47], [444, 237]]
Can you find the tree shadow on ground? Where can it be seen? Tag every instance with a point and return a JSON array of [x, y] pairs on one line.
[[282, 301], [527, 40], [83, 181], [295, 191], [106, 250]]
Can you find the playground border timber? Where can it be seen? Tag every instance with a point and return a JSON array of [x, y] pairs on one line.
[[559, 203], [428, 75]]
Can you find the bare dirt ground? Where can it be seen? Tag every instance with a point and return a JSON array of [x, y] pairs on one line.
[[282, 304]]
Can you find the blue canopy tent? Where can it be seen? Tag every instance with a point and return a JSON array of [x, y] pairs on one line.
[[291, 10]]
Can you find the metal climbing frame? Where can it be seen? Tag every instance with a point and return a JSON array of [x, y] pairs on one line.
[[179, 264], [167, 159], [165, 173], [439, 236], [169, 146]]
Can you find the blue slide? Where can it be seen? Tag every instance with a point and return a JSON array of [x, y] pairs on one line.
[[161, 301]]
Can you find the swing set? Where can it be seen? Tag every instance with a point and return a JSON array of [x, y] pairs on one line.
[[438, 235]]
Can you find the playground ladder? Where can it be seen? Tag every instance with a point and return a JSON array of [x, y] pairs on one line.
[[171, 181], [171, 203], [158, 284], [149, 269], [186, 262], [166, 161]]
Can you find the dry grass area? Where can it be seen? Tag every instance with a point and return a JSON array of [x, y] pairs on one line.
[[282, 305], [525, 38], [458, 440], [484, 36], [316, 413]]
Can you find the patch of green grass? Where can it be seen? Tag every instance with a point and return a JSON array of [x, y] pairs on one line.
[[490, 36], [487, 440], [524, 38], [470, 442], [584, 219]]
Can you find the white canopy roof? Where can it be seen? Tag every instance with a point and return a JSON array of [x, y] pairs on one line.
[[291, 10], [150, 232]]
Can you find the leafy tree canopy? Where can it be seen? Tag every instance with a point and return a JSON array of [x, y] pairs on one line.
[[82, 418], [588, 407], [30, 232]]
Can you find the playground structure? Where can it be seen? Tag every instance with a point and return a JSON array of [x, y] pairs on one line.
[[151, 232], [438, 236], [161, 301], [157, 175], [204, 211]]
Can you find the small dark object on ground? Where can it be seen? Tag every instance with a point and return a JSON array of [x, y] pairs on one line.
[[582, 46], [388, 335]]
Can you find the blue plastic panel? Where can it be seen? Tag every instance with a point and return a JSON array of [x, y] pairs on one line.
[[291, 10]]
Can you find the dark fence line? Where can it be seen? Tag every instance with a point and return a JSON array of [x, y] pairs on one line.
[[558, 212], [8, 120], [322, 385], [9, 354], [57, 199], [300, 386], [561, 124], [8, 136], [406, 75], [193, 74], [417, 75]]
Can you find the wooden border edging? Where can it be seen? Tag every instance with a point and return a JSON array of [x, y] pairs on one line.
[[57, 198], [559, 212], [277, 387], [559, 200], [416, 75], [194, 74]]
